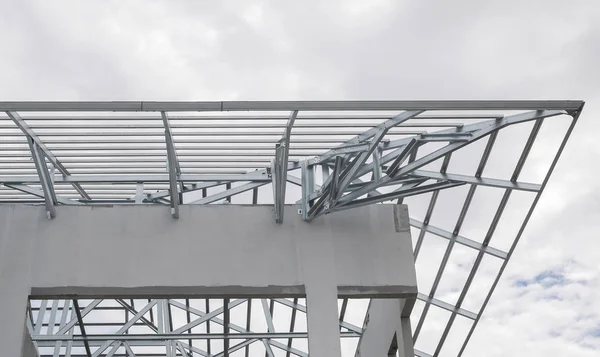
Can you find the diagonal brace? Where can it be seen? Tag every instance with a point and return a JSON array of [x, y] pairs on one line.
[[377, 135], [40, 193], [20, 122]]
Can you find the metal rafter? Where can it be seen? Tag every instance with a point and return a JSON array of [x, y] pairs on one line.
[[489, 234], [575, 116]]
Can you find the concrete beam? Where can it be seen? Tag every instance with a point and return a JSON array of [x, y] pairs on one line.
[[358, 253]]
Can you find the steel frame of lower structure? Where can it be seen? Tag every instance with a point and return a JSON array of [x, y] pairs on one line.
[[58, 330]]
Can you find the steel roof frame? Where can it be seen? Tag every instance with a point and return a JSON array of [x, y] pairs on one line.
[[66, 153]]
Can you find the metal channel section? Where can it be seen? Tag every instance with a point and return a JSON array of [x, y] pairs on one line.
[[335, 155]]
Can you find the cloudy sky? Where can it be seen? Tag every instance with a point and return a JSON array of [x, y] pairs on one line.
[[546, 304]]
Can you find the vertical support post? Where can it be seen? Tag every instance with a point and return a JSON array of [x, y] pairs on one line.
[[325, 172], [63, 320], [52, 172], [280, 164], [189, 319], [377, 164], [208, 342], [255, 195], [376, 168], [45, 180], [405, 343], [227, 188], [52, 319], [226, 319], [82, 327], [333, 194], [174, 168], [308, 186], [139, 193]]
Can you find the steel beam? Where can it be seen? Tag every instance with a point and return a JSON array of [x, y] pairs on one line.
[[404, 154], [147, 178], [446, 306], [189, 106], [401, 192], [480, 181], [228, 193], [459, 239]]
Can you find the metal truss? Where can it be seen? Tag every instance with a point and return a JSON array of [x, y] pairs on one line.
[[336, 156], [173, 327]]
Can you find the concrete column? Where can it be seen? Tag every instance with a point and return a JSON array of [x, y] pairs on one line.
[[385, 326], [321, 296], [15, 277], [28, 349], [382, 324]]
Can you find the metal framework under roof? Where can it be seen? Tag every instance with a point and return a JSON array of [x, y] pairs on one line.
[[182, 327], [335, 155]]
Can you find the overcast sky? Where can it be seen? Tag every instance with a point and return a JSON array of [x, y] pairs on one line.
[[546, 304]]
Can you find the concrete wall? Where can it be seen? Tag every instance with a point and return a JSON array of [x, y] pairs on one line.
[[211, 250]]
